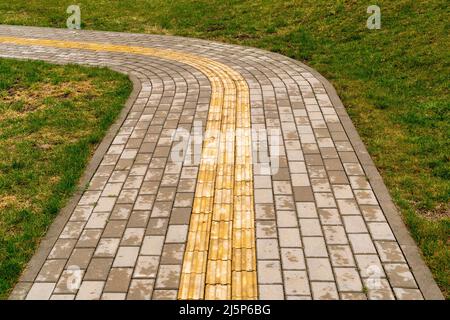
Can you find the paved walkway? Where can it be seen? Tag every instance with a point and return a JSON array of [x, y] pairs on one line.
[[233, 173]]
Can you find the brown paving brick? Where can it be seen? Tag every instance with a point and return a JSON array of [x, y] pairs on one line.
[[98, 269], [118, 280]]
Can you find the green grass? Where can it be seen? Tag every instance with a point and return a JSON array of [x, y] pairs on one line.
[[51, 118], [394, 81]]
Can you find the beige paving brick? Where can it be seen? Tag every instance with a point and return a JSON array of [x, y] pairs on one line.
[[378, 289], [348, 207], [354, 224], [51, 271], [263, 196], [40, 291], [132, 236], [97, 220], [90, 290], [62, 249], [366, 197], [89, 238], [325, 200], [306, 210], [264, 211], [107, 247], [286, 219], [271, 292], [341, 256], [266, 229], [292, 259], [315, 247], [380, 231], [70, 281], [353, 296], [140, 289], [342, 192], [113, 296], [330, 217], [319, 269], [296, 283], [372, 213], [389, 251], [146, 267], [62, 297], [126, 257], [399, 275], [269, 272], [177, 234], [324, 291], [310, 227], [267, 249], [408, 294], [335, 235], [348, 279], [164, 294], [168, 277], [152, 245], [289, 238], [361, 243]]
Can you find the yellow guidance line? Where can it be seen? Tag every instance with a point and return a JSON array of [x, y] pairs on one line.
[[219, 260]]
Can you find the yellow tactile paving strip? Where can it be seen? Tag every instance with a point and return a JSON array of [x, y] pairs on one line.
[[219, 261]]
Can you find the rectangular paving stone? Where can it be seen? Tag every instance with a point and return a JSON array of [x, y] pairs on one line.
[[40, 291], [80, 258], [296, 283], [289, 238], [152, 245], [271, 292], [118, 280], [90, 290], [62, 249], [51, 271], [126, 257], [267, 249], [98, 269], [140, 289], [310, 227], [361, 243], [292, 259], [319, 269], [168, 277], [324, 291], [314, 247], [348, 279]]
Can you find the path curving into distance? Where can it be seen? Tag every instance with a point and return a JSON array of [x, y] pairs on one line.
[[232, 173]]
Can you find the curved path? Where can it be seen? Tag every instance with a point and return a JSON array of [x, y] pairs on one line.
[[232, 173]]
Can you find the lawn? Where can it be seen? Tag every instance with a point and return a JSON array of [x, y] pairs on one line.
[[393, 81], [51, 118]]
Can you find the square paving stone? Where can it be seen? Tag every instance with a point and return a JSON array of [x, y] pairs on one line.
[[269, 272]]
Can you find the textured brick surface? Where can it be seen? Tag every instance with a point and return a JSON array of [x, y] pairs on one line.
[[318, 228]]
